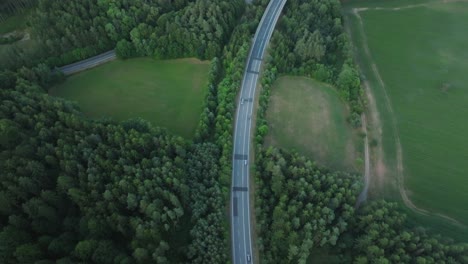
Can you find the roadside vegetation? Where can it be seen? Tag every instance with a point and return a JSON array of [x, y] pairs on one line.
[[72, 31], [417, 74], [167, 93], [298, 201]]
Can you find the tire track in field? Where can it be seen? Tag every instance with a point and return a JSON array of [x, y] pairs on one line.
[[399, 155], [363, 195], [359, 9]]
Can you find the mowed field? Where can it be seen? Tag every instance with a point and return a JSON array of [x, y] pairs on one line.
[[309, 117], [419, 50], [167, 93]]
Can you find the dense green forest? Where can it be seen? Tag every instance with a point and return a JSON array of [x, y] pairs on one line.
[[379, 233], [97, 191], [304, 207], [310, 40], [79, 190], [300, 206], [68, 31]]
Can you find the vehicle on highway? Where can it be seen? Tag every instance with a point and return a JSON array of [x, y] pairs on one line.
[[240, 212]]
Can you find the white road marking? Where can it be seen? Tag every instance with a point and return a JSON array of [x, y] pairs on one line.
[[250, 81]]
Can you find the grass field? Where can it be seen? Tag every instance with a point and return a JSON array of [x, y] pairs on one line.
[[418, 48], [16, 22], [167, 93], [309, 116]]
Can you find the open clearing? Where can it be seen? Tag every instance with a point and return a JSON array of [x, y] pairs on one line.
[[167, 93], [309, 116], [415, 60], [16, 22]]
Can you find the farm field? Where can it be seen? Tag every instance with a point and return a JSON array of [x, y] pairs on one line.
[[414, 57], [167, 93], [309, 117]]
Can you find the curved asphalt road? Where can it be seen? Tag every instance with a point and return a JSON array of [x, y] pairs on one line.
[[88, 63], [240, 210]]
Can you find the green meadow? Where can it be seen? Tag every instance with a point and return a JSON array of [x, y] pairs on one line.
[[16, 22], [167, 93], [419, 50], [309, 117]]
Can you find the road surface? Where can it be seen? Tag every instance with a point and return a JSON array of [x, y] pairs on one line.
[[240, 210], [88, 63]]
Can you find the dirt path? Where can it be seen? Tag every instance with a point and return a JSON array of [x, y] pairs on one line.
[[363, 195], [26, 35], [380, 170]]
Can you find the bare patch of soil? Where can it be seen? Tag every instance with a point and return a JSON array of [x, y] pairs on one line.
[[27, 36], [193, 61], [363, 195], [380, 169]]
